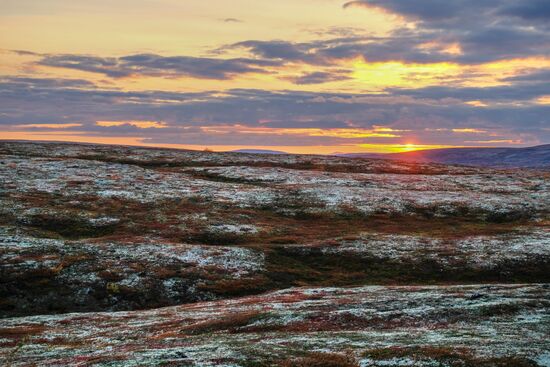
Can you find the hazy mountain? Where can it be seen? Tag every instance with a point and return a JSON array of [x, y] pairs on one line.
[[532, 157]]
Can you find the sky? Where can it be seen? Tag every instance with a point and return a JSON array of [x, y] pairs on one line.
[[302, 76]]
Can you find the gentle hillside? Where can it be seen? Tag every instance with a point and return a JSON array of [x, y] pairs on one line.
[[532, 157]]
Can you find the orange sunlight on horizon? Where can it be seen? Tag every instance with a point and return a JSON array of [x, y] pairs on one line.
[[137, 141]]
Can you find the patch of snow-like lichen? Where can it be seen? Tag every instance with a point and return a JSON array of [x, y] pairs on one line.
[[78, 275], [272, 326], [453, 191], [484, 251]]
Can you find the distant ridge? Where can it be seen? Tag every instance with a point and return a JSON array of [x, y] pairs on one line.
[[532, 157], [258, 151]]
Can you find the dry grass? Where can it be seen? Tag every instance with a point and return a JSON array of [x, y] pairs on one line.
[[321, 360], [446, 356], [237, 287], [21, 331], [309, 221], [229, 323]]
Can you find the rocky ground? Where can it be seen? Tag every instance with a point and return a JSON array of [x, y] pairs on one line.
[[223, 259]]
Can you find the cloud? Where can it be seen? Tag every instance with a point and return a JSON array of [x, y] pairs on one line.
[[468, 130], [138, 124], [332, 51], [480, 44], [461, 32], [278, 50], [536, 76], [341, 133], [188, 118], [451, 46], [426, 10], [232, 20], [485, 30], [25, 53], [48, 82], [320, 77], [515, 93], [47, 126], [530, 10], [160, 66]]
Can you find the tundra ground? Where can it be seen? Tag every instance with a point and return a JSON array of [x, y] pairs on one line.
[[341, 262]]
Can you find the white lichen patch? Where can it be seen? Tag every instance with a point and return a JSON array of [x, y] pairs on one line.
[[356, 320], [128, 272], [234, 228], [483, 251], [453, 190]]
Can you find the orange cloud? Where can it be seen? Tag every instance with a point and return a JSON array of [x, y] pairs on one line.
[[503, 141], [469, 131], [138, 124], [477, 103], [448, 48], [435, 129], [48, 126], [376, 132], [543, 100]]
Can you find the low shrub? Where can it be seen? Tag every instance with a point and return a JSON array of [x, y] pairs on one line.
[[444, 356], [228, 323], [321, 360]]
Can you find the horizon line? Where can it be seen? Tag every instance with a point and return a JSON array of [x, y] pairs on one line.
[[243, 148]]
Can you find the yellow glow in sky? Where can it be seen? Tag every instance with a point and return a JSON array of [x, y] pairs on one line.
[[402, 148], [137, 141], [377, 132], [170, 26], [399, 74]]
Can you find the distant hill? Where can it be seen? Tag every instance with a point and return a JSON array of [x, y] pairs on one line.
[[532, 157], [258, 151]]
